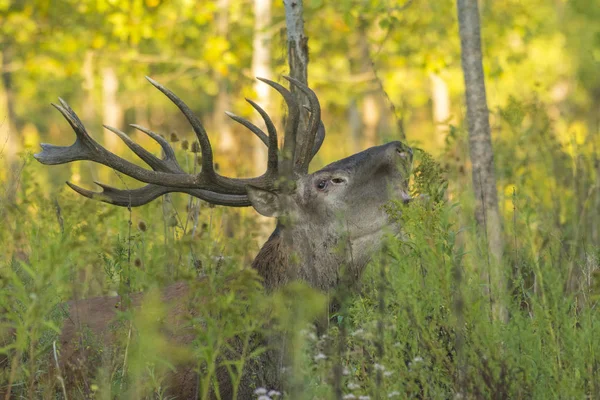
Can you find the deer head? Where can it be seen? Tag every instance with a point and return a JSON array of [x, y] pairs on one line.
[[328, 219]]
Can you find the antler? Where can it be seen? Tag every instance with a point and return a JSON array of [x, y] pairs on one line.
[[166, 175]]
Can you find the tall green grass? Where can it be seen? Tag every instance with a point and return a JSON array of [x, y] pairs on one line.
[[419, 326]]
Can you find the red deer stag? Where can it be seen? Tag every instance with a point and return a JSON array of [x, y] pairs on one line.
[[314, 212]]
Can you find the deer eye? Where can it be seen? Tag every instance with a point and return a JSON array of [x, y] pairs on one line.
[[322, 184]]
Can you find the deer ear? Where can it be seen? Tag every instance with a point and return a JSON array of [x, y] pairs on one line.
[[267, 203]]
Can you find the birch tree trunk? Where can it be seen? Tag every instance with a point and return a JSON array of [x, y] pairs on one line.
[[226, 143], [112, 113], [10, 143], [297, 44], [261, 67], [440, 102], [487, 213]]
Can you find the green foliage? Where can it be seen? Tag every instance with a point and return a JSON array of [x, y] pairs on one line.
[[436, 336], [421, 324]]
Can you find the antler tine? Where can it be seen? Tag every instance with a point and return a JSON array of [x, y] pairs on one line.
[[144, 195], [320, 137], [273, 158], [169, 153], [305, 152], [206, 149], [86, 148], [318, 140], [251, 127], [291, 129], [154, 162]]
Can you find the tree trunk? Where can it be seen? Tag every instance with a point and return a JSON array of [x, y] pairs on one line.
[[372, 103], [10, 143], [371, 116], [440, 99], [355, 123], [261, 67], [89, 115], [297, 44], [226, 143], [112, 113], [487, 213]]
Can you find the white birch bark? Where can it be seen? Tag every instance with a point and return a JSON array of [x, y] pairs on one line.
[[487, 213]]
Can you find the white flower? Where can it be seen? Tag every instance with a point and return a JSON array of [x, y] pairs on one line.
[[274, 393], [395, 393], [415, 360], [349, 396], [260, 391], [320, 357], [345, 371], [263, 397], [353, 386], [387, 374], [379, 367], [364, 398]]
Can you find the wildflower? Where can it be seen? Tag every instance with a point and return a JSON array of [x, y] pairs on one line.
[[353, 386], [264, 397], [142, 226], [320, 357], [274, 393], [172, 222], [174, 137], [260, 391], [195, 147], [185, 144], [349, 396], [415, 360], [379, 367], [364, 398], [387, 374], [395, 393], [345, 371]]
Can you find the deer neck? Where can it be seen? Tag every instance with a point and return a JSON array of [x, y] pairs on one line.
[[319, 259]]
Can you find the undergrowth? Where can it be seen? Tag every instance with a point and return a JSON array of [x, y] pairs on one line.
[[420, 325]]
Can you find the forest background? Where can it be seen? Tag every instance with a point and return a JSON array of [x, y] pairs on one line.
[[383, 71]]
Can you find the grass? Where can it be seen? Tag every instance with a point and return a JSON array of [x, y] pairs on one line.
[[420, 326]]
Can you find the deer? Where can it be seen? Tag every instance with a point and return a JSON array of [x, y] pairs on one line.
[[314, 211]]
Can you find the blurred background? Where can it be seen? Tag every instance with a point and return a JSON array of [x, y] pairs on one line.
[[382, 70]]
